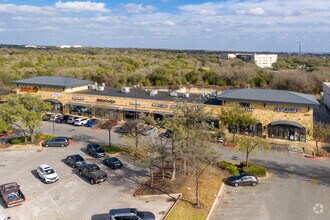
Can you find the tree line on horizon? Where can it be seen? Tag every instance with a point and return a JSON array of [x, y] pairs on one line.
[[124, 67]]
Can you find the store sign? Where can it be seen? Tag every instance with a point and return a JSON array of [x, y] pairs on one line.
[[106, 100], [158, 105], [174, 106], [135, 103], [248, 109], [57, 94], [28, 89], [287, 110], [78, 98]]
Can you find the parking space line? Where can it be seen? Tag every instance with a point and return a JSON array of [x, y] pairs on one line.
[[53, 188]]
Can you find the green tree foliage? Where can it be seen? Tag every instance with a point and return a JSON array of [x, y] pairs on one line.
[[250, 145], [124, 67], [236, 117], [319, 133], [27, 112]]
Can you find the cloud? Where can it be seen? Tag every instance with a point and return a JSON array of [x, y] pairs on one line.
[[76, 6], [253, 11], [208, 9], [27, 9], [138, 8]]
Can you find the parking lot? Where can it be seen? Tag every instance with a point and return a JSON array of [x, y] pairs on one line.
[[72, 197]]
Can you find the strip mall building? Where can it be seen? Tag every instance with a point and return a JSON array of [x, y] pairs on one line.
[[282, 115]]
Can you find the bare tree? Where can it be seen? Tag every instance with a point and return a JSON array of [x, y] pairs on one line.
[[320, 132], [109, 125]]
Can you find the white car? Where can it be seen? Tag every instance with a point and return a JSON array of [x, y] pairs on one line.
[[4, 217], [47, 173], [71, 120], [80, 121]]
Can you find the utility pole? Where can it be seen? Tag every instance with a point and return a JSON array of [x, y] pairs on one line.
[[135, 117]]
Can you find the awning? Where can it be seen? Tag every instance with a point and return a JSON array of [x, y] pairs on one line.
[[295, 124], [107, 107], [52, 100], [163, 113], [137, 110], [78, 104]]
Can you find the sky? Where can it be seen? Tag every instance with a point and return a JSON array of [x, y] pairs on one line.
[[234, 25]]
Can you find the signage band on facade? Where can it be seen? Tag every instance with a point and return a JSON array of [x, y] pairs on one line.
[[159, 105], [28, 89], [106, 100], [135, 103], [78, 98], [288, 110]]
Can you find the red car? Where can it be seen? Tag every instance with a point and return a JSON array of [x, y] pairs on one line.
[[11, 194]]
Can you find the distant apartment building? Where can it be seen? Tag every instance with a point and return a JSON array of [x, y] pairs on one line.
[[326, 94], [261, 60]]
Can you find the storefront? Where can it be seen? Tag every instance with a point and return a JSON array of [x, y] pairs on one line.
[[287, 130], [131, 113], [107, 112], [57, 106], [80, 109]]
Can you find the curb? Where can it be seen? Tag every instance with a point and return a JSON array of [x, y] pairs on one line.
[[315, 158], [172, 206], [216, 201]]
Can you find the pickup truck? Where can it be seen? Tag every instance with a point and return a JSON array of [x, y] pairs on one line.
[[93, 173], [11, 194]]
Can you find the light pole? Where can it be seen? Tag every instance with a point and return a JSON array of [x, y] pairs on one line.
[[135, 117]]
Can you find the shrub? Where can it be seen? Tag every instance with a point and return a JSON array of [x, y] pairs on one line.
[[19, 140], [14, 141], [253, 169], [43, 136], [228, 166]]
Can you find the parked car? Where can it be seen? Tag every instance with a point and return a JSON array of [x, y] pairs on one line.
[[46, 117], [80, 121], [47, 174], [125, 128], [130, 213], [95, 150], [93, 173], [74, 160], [54, 117], [62, 119], [92, 122], [56, 142], [242, 180], [112, 162], [148, 130], [11, 194], [71, 119], [4, 217]]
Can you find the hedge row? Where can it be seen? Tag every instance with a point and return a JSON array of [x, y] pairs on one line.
[[20, 140], [253, 169], [228, 166]]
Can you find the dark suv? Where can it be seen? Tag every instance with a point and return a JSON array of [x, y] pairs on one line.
[[130, 214], [95, 150], [56, 142], [74, 160], [93, 173]]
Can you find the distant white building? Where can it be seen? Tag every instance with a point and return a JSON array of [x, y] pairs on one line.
[[326, 94], [261, 60], [264, 60], [70, 46]]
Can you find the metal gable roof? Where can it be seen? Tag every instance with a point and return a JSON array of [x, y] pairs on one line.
[[53, 81], [269, 96]]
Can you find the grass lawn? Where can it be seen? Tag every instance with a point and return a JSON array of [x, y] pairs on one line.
[[209, 185], [113, 149]]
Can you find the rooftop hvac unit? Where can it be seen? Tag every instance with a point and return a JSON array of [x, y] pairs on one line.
[[174, 94], [125, 90], [153, 92], [186, 95]]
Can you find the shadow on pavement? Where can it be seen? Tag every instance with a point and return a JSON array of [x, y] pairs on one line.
[[316, 174]]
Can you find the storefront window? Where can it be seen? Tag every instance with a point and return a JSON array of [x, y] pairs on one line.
[[254, 130], [106, 113], [287, 132], [82, 110]]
